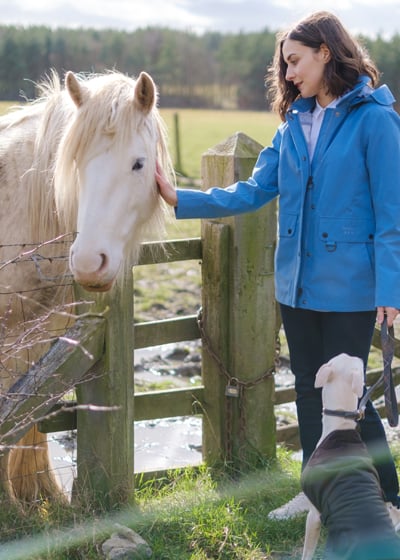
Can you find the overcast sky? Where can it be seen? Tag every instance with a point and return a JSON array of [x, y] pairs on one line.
[[369, 17]]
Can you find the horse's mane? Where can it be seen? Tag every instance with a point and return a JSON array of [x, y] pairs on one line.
[[63, 140], [54, 108]]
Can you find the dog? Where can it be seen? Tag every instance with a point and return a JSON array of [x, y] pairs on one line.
[[340, 480]]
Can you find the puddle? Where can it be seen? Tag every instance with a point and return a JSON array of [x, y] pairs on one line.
[[159, 444], [167, 443]]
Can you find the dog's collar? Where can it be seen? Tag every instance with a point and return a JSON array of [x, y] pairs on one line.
[[356, 415]]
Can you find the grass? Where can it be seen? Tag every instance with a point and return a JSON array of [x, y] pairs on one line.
[[225, 519], [167, 290], [194, 513], [189, 514], [200, 130]]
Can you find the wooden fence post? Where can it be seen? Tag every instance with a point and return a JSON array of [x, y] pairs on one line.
[[215, 318], [105, 438], [243, 315]]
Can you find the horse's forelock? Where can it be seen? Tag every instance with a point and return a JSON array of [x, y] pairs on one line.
[[100, 114], [109, 110]]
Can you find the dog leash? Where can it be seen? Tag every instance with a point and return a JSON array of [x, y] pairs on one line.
[[387, 338], [387, 341]]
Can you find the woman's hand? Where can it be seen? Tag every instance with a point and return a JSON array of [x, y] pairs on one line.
[[167, 191], [390, 312]]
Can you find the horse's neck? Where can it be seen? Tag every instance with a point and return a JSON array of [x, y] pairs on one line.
[[16, 158], [39, 181]]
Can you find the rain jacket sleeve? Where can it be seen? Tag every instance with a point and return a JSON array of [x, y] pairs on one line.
[[241, 197]]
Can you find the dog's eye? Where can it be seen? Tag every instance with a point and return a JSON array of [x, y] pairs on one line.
[[138, 164]]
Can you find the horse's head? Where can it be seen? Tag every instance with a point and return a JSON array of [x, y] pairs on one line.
[[110, 148]]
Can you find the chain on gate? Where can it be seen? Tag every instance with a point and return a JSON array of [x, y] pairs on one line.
[[235, 388]]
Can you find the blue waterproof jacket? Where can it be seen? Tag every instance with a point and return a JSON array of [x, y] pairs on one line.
[[339, 215]]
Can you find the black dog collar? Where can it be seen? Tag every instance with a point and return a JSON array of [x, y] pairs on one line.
[[356, 415]]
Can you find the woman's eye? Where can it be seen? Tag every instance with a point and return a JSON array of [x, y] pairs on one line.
[[139, 163]]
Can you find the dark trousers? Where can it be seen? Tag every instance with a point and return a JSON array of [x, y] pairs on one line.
[[313, 338]]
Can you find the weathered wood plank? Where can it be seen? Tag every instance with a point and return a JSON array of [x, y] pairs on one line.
[[170, 251], [67, 361], [249, 324], [105, 439], [61, 417], [289, 436], [376, 341], [288, 394], [373, 376], [153, 333], [214, 322], [169, 403], [148, 406]]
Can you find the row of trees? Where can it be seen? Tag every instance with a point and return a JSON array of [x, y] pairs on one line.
[[211, 70]]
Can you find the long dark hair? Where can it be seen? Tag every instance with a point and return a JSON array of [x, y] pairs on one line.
[[348, 61]]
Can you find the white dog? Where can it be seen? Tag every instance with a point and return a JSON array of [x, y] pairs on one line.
[[340, 479]]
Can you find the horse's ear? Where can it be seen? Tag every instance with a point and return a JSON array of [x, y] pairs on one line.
[[145, 92], [74, 88]]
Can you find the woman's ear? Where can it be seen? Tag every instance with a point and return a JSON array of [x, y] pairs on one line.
[[325, 52]]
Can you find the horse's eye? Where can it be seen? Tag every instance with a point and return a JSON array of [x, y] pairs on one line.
[[139, 163]]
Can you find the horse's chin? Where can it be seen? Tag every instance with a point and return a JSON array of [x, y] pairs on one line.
[[97, 287]]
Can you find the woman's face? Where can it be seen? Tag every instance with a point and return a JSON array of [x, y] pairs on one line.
[[305, 68]]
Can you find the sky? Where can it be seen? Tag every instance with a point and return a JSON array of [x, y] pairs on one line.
[[369, 17]]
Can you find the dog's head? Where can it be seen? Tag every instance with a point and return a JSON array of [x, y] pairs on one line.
[[344, 367]]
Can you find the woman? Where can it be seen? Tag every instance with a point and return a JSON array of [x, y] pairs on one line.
[[334, 162]]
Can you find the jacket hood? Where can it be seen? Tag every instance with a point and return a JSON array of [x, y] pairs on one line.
[[361, 93]]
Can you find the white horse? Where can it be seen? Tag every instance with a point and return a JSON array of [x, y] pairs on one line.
[[77, 164]]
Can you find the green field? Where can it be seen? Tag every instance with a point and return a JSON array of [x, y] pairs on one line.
[[203, 129]]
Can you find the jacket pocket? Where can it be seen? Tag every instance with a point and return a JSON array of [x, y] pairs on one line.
[[287, 224], [345, 257]]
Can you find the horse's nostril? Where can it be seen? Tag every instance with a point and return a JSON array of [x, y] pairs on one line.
[[86, 263], [104, 261]]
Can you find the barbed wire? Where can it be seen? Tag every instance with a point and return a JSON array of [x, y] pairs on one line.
[[65, 238], [35, 255]]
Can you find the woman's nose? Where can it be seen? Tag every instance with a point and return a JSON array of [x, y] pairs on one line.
[[289, 74]]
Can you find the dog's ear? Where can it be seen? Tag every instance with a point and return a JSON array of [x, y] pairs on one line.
[[357, 383], [322, 376]]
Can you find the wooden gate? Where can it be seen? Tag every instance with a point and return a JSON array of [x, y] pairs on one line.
[[238, 326]]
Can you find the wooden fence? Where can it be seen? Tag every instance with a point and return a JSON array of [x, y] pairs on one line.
[[238, 325]]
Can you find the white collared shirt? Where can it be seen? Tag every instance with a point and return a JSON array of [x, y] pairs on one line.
[[312, 132]]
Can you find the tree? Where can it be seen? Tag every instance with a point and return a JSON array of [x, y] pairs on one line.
[[191, 70]]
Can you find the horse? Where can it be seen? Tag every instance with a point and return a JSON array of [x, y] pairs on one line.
[[78, 197]]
